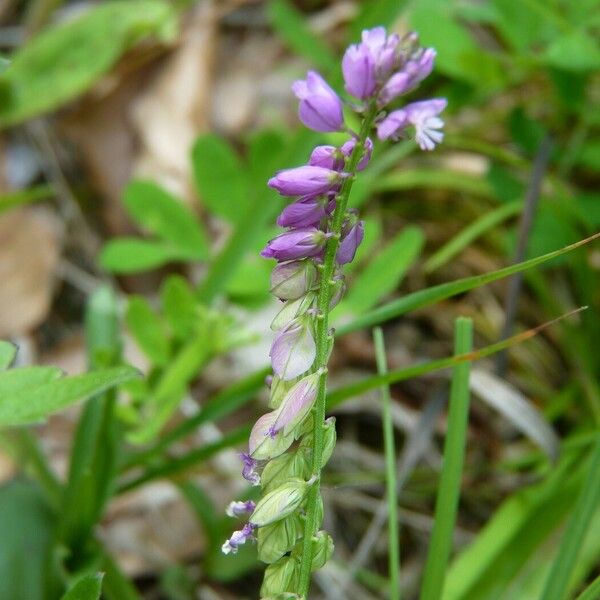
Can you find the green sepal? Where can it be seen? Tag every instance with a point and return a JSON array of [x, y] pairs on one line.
[[283, 468], [292, 309], [280, 503], [279, 538], [280, 577]]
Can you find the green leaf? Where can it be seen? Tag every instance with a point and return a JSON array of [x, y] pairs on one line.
[[157, 211], [26, 377], [575, 51], [27, 524], [65, 60], [179, 305], [278, 538], [383, 274], [34, 194], [219, 176], [131, 255], [88, 587], [292, 26], [33, 404], [147, 330], [8, 352], [587, 504]]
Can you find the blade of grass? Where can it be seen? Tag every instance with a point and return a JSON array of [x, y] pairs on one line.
[[564, 563], [390, 470], [434, 294], [470, 233], [592, 591], [173, 466], [337, 396], [454, 450], [34, 194]]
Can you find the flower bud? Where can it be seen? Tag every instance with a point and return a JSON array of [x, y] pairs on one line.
[[293, 279], [280, 503], [293, 309], [328, 157], [298, 243], [306, 212], [320, 107], [297, 403], [277, 539], [306, 180], [348, 147], [350, 243], [293, 350], [264, 442], [329, 440], [287, 466], [279, 577], [322, 550]]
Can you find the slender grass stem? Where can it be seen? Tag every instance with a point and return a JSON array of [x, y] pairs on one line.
[[558, 581], [390, 470], [323, 341], [592, 591], [454, 449]]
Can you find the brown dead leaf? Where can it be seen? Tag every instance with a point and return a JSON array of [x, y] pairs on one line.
[[29, 254]]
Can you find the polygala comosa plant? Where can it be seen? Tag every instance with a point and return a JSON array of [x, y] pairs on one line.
[[289, 446]]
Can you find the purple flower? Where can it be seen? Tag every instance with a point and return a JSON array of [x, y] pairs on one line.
[[328, 157], [350, 242], [238, 538], [368, 64], [293, 350], [298, 243], [249, 472], [414, 71], [306, 211], [423, 116], [297, 403], [239, 508], [306, 180], [348, 147], [320, 107]]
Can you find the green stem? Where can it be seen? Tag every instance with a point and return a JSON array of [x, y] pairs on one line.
[[390, 470], [323, 342]]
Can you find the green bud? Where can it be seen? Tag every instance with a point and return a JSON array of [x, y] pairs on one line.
[[329, 440], [287, 466], [280, 503], [262, 445], [279, 389], [293, 279], [277, 539], [322, 550], [280, 577], [292, 309]]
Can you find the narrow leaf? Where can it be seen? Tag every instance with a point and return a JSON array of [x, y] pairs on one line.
[[88, 587], [34, 404], [26, 377], [147, 330], [131, 255], [8, 352]]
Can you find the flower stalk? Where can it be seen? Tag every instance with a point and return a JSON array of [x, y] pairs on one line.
[[323, 344]]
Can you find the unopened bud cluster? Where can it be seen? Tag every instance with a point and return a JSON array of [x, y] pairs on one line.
[[321, 236]]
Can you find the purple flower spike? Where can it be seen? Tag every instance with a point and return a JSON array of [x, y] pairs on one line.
[[383, 49], [293, 351], [238, 538], [239, 508], [297, 403], [249, 472], [320, 107], [305, 212], [298, 243], [350, 243], [348, 147], [305, 181]]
